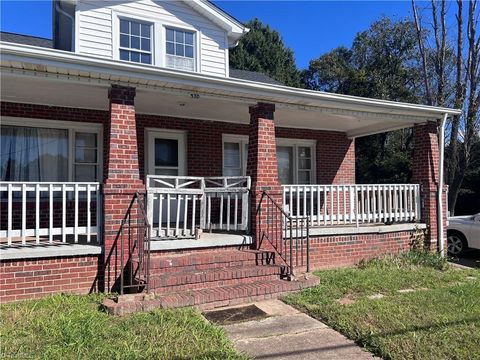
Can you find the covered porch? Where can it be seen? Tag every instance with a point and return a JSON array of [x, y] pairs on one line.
[[204, 150]]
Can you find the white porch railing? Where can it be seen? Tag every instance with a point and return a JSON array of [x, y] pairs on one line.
[[177, 206], [329, 205], [32, 212]]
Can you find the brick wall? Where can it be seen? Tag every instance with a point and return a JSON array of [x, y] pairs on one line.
[[32, 279], [334, 251], [335, 153]]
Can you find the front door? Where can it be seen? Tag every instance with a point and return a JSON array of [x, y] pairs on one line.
[[166, 156]]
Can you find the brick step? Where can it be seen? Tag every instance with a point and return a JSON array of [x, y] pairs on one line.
[[206, 299], [200, 279], [196, 260]]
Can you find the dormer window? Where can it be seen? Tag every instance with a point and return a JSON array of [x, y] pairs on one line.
[[135, 41], [180, 49]]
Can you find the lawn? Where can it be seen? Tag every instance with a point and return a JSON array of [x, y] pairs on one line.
[[73, 327], [413, 306]]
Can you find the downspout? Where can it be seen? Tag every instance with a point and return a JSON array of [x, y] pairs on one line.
[[72, 20], [440, 186]]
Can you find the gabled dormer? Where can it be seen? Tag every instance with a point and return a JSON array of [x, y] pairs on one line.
[[191, 35]]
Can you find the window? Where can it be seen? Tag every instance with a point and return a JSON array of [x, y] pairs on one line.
[[34, 153], [180, 49], [235, 152], [295, 161], [166, 157], [86, 158], [135, 41]]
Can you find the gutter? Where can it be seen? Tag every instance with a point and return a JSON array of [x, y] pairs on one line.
[[440, 186], [58, 58]]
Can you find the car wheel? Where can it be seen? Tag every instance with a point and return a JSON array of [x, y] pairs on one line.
[[456, 243]]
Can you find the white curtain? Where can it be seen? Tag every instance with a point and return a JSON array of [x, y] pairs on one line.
[[33, 154]]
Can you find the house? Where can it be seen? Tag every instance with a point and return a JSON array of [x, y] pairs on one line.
[[133, 158]]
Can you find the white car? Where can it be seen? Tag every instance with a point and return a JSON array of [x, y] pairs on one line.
[[463, 233]]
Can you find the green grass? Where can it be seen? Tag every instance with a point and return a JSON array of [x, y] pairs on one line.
[[73, 327], [440, 320]]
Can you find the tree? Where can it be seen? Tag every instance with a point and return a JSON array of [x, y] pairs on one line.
[[451, 74], [379, 65], [262, 49]]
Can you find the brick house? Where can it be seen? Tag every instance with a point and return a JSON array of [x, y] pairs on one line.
[[133, 158]]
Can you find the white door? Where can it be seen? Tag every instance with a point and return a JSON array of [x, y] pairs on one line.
[[166, 156]]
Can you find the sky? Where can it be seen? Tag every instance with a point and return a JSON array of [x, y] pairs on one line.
[[310, 28]]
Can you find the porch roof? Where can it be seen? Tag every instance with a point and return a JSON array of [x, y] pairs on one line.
[[81, 81]]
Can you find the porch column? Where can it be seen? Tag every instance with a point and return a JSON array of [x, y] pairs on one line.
[[426, 173], [122, 176], [262, 168]]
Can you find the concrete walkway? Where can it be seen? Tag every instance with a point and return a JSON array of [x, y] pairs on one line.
[[290, 334]]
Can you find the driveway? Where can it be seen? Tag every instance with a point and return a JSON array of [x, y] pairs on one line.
[[471, 259]]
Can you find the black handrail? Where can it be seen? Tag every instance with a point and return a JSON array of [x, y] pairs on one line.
[[136, 228], [279, 229]]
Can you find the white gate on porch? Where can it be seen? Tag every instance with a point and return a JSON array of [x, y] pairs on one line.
[[179, 206]]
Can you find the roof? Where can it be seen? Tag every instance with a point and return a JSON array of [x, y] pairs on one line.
[[26, 39], [253, 76], [48, 43]]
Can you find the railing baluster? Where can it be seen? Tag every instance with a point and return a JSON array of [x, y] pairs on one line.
[[325, 200], [337, 189], [221, 211], [9, 214], [331, 205], [168, 216], [185, 216], [194, 206], [24, 214], [50, 219], [235, 217], [76, 214], [160, 214], [318, 206], [37, 213], [64, 213], [311, 202], [228, 211], [177, 221], [89, 221], [344, 212]]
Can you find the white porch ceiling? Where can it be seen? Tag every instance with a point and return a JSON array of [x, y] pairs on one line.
[[47, 91]]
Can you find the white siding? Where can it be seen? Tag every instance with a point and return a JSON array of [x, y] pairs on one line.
[[96, 35]]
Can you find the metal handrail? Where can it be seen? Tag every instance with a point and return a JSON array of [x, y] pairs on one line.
[[139, 249], [282, 223]]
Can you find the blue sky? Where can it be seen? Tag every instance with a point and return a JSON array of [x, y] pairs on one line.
[[310, 28]]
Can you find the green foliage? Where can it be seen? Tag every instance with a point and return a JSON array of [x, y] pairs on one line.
[[425, 313], [262, 50], [73, 327], [378, 65]]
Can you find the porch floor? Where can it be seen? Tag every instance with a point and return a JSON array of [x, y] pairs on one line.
[[206, 240]]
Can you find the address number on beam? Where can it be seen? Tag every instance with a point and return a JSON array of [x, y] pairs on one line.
[[195, 96]]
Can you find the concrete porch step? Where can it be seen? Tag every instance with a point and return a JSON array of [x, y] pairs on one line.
[[206, 299], [208, 259], [200, 279]]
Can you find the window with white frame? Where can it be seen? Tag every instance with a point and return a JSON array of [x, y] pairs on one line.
[[135, 41], [295, 162], [51, 154], [295, 159], [235, 152], [180, 49]]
